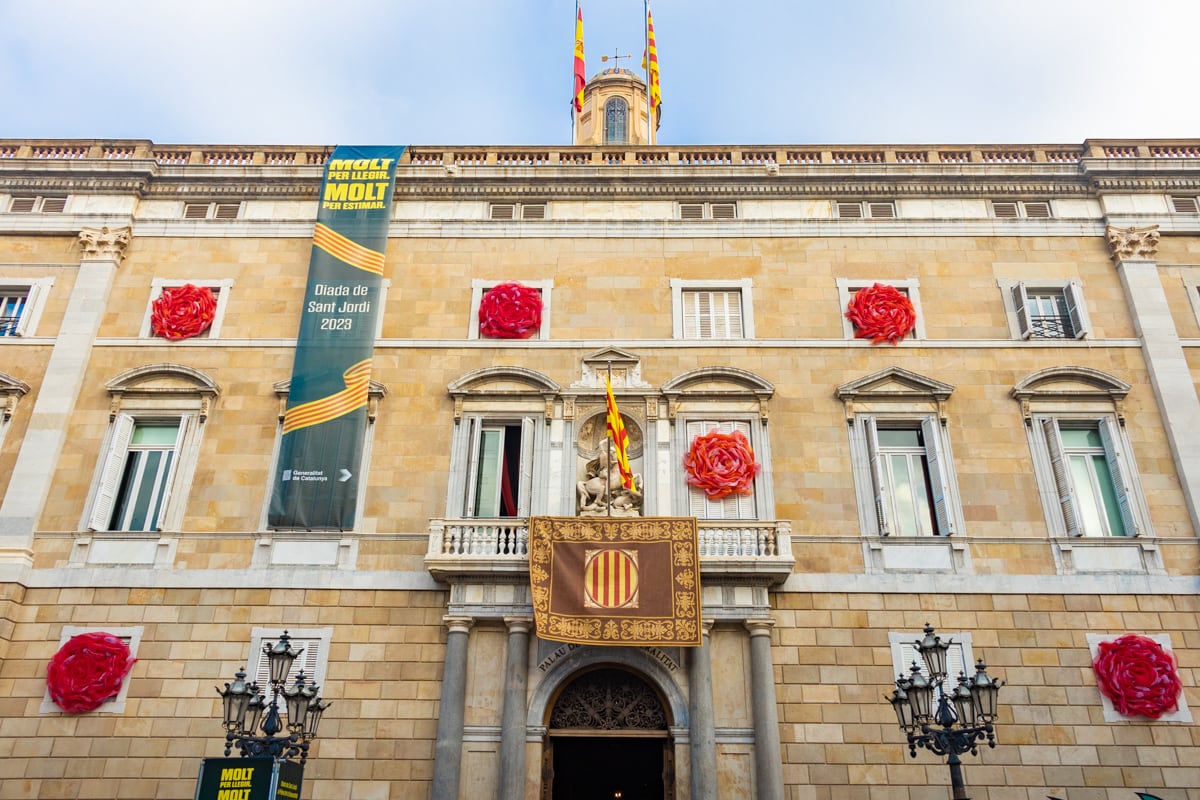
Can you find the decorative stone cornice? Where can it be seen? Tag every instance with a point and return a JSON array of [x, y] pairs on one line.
[[105, 243], [1132, 243]]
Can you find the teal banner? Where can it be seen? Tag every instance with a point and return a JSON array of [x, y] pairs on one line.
[[320, 454]]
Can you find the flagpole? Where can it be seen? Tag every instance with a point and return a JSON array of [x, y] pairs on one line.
[[649, 106]]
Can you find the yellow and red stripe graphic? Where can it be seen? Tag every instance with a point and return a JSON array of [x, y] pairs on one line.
[[580, 73], [611, 578], [616, 429], [650, 64], [354, 396], [347, 250]]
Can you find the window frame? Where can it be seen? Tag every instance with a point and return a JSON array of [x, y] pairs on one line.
[[1021, 209], [1015, 293], [131, 635], [866, 209], [1192, 286], [117, 448], [479, 286], [258, 667], [212, 211], [707, 210], [744, 287], [37, 290], [1173, 204], [519, 212], [688, 427], [623, 106], [910, 286], [961, 654], [39, 204], [222, 288]]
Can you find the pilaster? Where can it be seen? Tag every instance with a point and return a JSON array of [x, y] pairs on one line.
[[1134, 251], [768, 755], [703, 734], [102, 252], [452, 712], [512, 719]]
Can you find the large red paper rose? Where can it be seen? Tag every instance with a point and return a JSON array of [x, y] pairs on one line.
[[721, 464], [881, 313], [182, 312], [88, 670], [1138, 675], [510, 311]]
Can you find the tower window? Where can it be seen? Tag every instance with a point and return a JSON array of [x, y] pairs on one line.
[[616, 121]]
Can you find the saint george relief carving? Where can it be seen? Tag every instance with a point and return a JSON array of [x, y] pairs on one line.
[[599, 491]]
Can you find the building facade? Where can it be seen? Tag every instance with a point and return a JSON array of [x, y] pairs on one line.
[[1021, 469]]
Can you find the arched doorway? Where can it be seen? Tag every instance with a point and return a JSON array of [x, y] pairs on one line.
[[608, 739]]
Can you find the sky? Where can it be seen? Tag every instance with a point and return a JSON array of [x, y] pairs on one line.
[[498, 72]]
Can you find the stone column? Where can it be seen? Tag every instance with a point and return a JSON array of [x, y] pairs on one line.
[[703, 734], [768, 758], [38, 457], [447, 753], [1134, 251], [512, 719]]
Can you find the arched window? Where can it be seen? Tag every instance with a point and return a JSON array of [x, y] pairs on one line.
[[616, 114]]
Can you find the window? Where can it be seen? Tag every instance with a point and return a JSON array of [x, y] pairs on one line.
[[863, 209], [481, 287], [508, 211], [21, 305], [158, 415], [960, 658], [220, 288], [694, 211], [616, 119], [34, 205], [909, 287], [1082, 459], [704, 310], [900, 452], [1047, 311], [313, 659], [1013, 209], [496, 471], [131, 636], [211, 210], [734, 506], [1089, 478], [1184, 205]]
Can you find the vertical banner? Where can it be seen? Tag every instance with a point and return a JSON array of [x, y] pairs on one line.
[[316, 477], [249, 779]]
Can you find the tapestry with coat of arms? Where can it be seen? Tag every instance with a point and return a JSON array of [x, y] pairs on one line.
[[616, 580]]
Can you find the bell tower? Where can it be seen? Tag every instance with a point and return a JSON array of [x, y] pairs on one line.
[[614, 110]]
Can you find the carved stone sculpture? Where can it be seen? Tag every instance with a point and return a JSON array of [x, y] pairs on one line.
[[1132, 243], [105, 242], [601, 492]]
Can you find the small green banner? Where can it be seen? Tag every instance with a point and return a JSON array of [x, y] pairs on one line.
[[316, 476], [248, 779]]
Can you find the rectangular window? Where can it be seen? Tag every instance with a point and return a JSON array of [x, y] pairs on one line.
[[480, 287], [12, 306], [959, 658], [507, 211], [313, 659], [1013, 209], [21, 305], [734, 506], [694, 211], [34, 205], [211, 210], [1089, 477], [131, 636], [1049, 312], [500, 469], [861, 209], [712, 314], [1184, 205], [221, 289], [909, 481], [135, 485], [909, 287]]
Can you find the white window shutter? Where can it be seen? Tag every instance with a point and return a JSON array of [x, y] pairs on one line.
[[195, 210], [1110, 438], [475, 431], [526, 466], [882, 210], [883, 511], [1184, 205], [1037, 209], [849, 210], [930, 427], [1004, 210], [110, 476], [1020, 298], [691, 314], [691, 211], [733, 314], [503, 211], [1073, 293], [27, 312], [1062, 477], [164, 507]]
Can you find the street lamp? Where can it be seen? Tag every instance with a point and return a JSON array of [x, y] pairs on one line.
[[243, 707], [964, 712]]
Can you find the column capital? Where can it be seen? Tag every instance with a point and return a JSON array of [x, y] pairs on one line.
[[519, 624], [1139, 244], [458, 624], [105, 243], [759, 626]]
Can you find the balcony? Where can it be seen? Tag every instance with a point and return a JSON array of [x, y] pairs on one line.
[[747, 549]]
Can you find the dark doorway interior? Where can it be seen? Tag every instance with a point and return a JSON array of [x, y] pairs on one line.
[[608, 768]]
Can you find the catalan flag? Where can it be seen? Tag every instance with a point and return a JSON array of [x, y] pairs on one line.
[[650, 64], [580, 72], [616, 429]]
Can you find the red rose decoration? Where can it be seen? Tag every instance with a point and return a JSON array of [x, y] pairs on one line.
[[721, 464], [183, 311], [1138, 676], [881, 313], [510, 311], [88, 670]]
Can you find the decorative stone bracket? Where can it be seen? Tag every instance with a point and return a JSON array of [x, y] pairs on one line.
[[1132, 243]]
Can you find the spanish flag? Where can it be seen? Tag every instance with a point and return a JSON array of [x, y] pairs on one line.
[[650, 64], [616, 429], [580, 72]]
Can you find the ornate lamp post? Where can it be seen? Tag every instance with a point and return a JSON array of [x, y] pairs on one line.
[[963, 714], [243, 707]]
